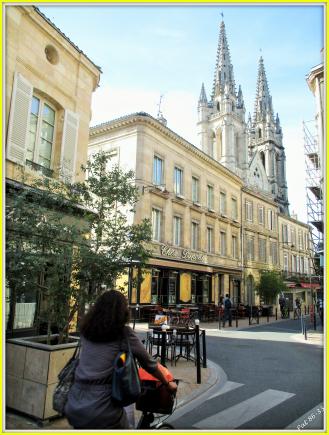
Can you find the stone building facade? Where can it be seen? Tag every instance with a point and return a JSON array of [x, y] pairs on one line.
[[48, 89], [49, 84], [194, 204], [296, 258]]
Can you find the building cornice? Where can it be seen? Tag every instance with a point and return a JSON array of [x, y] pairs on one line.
[[295, 221], [146, 119], [259, 195]]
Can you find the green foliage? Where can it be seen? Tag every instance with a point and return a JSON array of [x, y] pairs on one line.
[[68, 242], [270, 284]]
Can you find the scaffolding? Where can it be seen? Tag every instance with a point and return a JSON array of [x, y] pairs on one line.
[[314, 191]]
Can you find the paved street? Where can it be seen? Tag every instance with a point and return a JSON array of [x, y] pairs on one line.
[[266, 384]]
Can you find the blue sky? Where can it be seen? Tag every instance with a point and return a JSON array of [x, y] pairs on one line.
[[146, 51]]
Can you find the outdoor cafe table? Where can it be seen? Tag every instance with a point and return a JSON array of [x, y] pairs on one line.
[[182, 339]]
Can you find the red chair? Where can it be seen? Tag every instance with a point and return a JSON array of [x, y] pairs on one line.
[[184, 313]]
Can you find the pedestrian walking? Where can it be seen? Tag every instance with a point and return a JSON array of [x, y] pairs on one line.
[[227, 310], [103, 328], [297, 308], [282, 303], [320, 310]]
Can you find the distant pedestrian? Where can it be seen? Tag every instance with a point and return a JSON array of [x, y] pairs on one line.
[[227, 310], [282, 303], [320, 310], [297, 308]]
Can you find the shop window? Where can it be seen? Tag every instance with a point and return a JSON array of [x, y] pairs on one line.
[[155, 287], [24, 305]]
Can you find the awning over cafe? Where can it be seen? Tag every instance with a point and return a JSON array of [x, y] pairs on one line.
[[314, 285]]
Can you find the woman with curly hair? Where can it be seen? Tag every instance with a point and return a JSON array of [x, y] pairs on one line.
[[89, 404]]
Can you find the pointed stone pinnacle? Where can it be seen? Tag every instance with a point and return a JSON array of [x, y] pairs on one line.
[[203, 96]]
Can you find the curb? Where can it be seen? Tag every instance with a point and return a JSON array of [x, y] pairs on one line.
[[311, 339], [214, 378]]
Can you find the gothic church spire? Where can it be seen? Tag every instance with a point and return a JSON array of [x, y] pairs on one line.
[[224, 77], [203, 96], [263, 103]]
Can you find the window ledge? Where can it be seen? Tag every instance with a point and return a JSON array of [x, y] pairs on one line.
[[39, 168]]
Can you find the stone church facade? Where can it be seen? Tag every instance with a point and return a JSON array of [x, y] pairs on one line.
[[253, 149]]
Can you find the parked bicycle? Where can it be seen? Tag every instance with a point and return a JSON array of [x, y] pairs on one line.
[[184, 318], [156, 402]]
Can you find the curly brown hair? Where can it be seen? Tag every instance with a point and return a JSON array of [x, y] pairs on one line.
[[106, 319]]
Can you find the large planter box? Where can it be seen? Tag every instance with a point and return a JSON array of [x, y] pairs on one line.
[[32, 368]]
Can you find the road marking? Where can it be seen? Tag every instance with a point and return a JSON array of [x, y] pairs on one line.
[[229, 386], [239, 414]]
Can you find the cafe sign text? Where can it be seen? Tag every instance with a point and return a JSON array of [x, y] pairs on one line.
[[185, 254]]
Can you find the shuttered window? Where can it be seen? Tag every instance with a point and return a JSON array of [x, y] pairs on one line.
[[69, 146], [18, 125]]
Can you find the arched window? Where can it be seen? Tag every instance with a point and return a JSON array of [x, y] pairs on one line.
[[259, 133], [218, 106]]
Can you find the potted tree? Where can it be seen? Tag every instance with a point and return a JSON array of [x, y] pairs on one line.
[[268, 287], [66, 243]]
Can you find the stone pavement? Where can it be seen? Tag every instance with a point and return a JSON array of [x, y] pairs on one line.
[[185, 371]]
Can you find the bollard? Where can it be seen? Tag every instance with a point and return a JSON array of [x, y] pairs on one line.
[[249, 319], [308, 309], [204, 350], [305, 310], [314, 319], [276, 313], [197, 351], [236, 321], [257, 317], [163, 345], [268, 316], [288, 313], [219, 319]]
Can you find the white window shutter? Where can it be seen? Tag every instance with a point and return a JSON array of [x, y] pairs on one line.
[[19, 118], [69, 146]]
